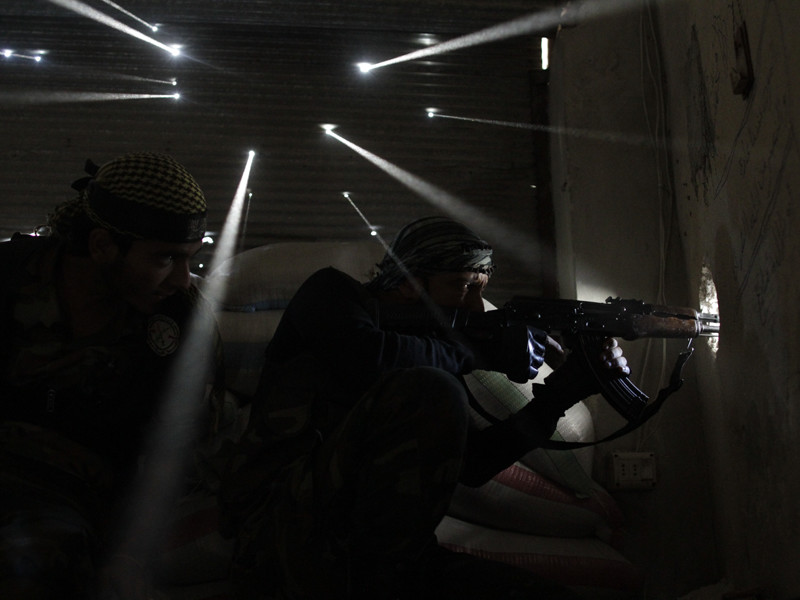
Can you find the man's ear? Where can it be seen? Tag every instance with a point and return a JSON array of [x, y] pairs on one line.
[[102, 247]]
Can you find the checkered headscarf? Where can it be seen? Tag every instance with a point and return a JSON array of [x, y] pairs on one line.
[[144, 195], [432, 245]]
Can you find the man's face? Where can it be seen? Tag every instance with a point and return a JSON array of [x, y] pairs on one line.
[[151, 271], [457, 290]]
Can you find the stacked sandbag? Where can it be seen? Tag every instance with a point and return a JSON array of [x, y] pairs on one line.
[[254, 287], [544, 513], [585, 564]]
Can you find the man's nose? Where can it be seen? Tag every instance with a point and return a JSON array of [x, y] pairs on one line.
[[181, 275]]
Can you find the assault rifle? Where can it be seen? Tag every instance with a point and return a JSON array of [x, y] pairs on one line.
[[584, 325]]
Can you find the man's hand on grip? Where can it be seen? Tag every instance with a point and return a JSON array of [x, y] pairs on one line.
[[516, 350], [574, 381]]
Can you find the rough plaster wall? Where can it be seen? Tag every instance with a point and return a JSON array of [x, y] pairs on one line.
[[616, 236], [718, 193], [737, 173]]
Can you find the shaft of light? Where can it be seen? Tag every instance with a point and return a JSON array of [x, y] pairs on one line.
[[96, 15], [12, 98], [10, 54], [130, 14], [606, 136], [540, 22], [227, 239], [172, 82], [372, 229], [182, 406], [502, 235], [413, 281]]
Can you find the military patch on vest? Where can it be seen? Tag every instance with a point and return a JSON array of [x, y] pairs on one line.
[[163, 335]]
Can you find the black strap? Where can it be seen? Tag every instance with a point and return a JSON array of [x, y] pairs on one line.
[[477, 406], [675, 382]]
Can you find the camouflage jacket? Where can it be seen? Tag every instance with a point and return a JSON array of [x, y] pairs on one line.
[[100, 391]]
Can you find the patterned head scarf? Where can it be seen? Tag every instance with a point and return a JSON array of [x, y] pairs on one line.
[[144, 196], [432, 245]]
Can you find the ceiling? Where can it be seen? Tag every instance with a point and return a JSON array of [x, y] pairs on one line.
[[263, 75]]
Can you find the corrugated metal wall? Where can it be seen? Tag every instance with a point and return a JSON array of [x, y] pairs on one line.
[[264, 76]]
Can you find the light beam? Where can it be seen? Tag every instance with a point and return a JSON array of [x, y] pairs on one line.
[[12, 54], [170, 439], [37, 97], [96, 15], [173, 82], [154, 28], [373, 231], [501, 234], [227, 238], [415, 283], [540, 23], [605, 136]]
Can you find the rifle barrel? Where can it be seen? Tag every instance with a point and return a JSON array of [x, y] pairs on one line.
[[709, 324]]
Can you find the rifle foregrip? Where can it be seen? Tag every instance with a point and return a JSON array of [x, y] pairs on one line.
[[666, 322]]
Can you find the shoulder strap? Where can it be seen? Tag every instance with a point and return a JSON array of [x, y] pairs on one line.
[[675, 382]]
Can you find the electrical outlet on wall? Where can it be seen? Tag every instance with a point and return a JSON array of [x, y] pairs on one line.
[[633, 470]]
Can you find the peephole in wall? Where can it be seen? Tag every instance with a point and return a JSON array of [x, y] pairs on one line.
[[709, 302]]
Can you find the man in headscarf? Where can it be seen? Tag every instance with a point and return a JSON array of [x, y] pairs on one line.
[[359, 431], [94, 316]]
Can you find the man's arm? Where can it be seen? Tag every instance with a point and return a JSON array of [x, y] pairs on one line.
[[332, 318]]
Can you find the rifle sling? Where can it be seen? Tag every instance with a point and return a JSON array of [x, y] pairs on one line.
[[477, 407], [651, 409], [675, 382]]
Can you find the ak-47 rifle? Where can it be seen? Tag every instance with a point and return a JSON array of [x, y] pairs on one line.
[[584, 325]]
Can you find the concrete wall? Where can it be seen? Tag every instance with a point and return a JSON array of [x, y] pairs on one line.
[[661, 169]]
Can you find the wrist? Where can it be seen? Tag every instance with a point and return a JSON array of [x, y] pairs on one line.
[[569, 384], [537, 419], [558, 398]]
